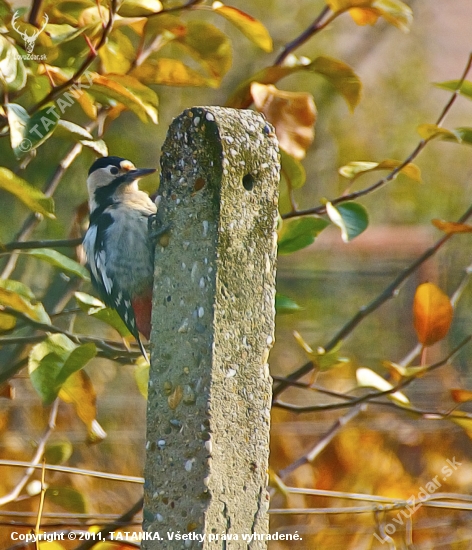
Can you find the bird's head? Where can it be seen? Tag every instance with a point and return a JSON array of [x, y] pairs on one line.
[[111, 175]]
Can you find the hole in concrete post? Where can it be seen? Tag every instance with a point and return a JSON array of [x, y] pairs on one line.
[[248, 182]]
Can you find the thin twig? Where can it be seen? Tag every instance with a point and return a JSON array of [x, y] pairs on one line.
[[49, 243], [13, 495], [375, 395], [310, 456], [171, 9], [112, 347], [56, 92], [33, 220], [35, 11], [391, 175], [314, 28], [390, 292]]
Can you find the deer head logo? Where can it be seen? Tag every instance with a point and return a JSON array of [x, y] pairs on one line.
[[29, 40]]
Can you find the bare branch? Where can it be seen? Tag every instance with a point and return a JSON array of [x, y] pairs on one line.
[[30, 245], [314, 28], [390, 292], [375, 395], [56, 92], [112, 349], [391, 176], [309, 457]]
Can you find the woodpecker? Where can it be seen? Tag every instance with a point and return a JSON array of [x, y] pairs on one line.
[[117, 244]]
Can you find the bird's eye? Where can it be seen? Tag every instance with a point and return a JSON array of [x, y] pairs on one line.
[[114, 170]]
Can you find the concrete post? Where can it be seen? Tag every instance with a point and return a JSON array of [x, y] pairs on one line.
[[213, 326]]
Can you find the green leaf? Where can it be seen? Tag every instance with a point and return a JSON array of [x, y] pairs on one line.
[[137, 8], [340, 75], [66, 128], [76, 360], [250, 27], [53, 361], [355, 168], [128, 91], [12, 69], [64, 33], [432, 131], [118, 53], [350, 217], [465, 134], [28, 133], [33, 198], [66, 497], [57, 259], [285, 305], [323, 360], [58, 452], [292, 171], [145, 95], [300, 233], [95, 308], [213, 53], [98, 145], [453, 85]]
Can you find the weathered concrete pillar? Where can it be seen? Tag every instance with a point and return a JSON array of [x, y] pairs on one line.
[[213, 326]]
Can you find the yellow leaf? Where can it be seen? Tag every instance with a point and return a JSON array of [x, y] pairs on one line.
[[432, 314], [79, 391], [364, 16], [171, 72], [431, 131], [338, 6], [250, 27], [452, 227], [293, 115]]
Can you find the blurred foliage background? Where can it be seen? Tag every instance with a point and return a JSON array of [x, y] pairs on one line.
[[381, 450]]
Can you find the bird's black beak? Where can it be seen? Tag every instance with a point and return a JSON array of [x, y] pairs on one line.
[[139, 173]]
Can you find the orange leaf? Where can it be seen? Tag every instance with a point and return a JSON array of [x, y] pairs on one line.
[[461, 396], [452, 227], [364, 16], [292, 113], [432, 314]]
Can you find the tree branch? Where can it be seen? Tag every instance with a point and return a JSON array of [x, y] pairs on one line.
[[56, 92], [30, 245], [390, 292], [319, 210], [370, 396], [314, 28]]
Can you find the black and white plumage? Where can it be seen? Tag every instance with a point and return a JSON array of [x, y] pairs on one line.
[[118, 249]]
